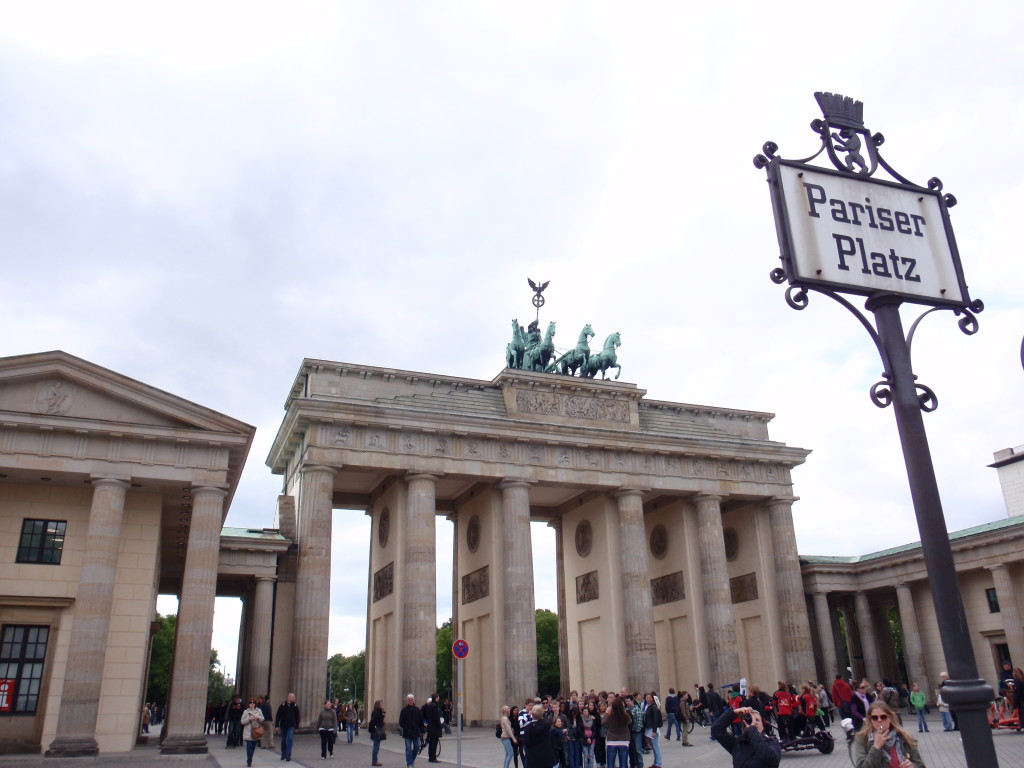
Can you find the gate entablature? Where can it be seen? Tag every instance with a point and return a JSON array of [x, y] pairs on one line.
[[549, 429]]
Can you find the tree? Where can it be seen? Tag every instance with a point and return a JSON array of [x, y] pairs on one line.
[[347, 672], [445, 660], [548, 670], [160, 659], [217, 690]]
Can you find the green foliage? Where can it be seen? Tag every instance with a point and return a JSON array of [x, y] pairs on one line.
[[216, 689], [548, 672], [160, 659], [445, 661], [348, 672]]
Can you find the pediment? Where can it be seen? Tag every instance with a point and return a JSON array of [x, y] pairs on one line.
[[58, 386]]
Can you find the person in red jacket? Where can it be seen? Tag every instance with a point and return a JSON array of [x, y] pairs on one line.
[[784, 702], [842, 695]]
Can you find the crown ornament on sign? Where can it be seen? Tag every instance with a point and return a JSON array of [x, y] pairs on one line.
[[841, 110]]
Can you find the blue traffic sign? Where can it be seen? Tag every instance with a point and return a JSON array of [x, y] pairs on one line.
[[460, 649]]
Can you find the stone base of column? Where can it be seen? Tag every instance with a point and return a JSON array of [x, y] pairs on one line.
[[184, 745], [73, 747]]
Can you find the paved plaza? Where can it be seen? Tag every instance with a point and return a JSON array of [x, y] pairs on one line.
[[481, 750]]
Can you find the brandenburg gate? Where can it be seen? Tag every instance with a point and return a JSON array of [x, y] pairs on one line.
[[676, 555]]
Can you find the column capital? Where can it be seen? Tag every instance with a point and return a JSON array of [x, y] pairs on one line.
[[997, 567], [514, 483], [903, 587], [432, 477], [107, 481], [318, 468], [787, 500], [209, 490], [271, 579], [625, 493], [701, 498]]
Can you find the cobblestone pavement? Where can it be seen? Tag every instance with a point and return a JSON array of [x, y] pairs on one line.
[[481, 750]]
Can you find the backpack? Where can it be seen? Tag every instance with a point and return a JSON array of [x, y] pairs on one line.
[[497, 730]]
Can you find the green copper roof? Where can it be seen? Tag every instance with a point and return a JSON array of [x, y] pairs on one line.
[[966, 533]]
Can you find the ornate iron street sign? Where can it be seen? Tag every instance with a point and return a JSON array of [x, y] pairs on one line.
[[843, 230]]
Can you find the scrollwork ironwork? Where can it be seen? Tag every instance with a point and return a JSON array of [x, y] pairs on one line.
[[778, 275], [881, 393], [926, 399], [796, 297]]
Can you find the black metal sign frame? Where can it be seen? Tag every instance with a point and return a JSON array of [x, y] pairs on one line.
[[854, 153]]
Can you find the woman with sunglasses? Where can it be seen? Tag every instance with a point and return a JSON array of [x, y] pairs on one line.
[[883, 743]]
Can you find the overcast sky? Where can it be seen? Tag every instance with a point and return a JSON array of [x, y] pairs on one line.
[[200, 195]]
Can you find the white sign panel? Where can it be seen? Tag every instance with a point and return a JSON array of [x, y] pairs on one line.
[[868, 236]]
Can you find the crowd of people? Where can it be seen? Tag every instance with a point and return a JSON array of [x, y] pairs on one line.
[[617, 730]]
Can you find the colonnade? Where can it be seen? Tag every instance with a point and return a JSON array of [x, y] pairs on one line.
[[515, 651], [87, 646], [866, 646]]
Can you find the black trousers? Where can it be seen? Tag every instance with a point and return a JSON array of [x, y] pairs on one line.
[[432, 742], [327, 742]]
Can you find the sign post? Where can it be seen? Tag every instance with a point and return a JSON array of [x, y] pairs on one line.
[[460, 650], [841, 231]]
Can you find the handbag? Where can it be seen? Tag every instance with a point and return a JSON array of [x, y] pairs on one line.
[[257, 731]]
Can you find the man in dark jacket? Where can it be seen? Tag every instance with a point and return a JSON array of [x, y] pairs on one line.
[[410, 721], [750, 749], [432, 718], [285, 723], [715, 704]]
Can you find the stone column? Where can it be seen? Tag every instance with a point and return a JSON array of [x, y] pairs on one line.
[[796, 626], [828, 641], [419, 589], [913, 650], [311, 619], [853, 641], [1010, 612], [637, 608], [186, 699], [868, 643], [843, 658], [721, 626], [563, 634], [520, 628], [262, 626], [87, 648]]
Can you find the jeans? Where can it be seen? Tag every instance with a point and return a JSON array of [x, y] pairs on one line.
[[287, 737], [588, 754], [351, 729], [637, 748], [412, 746], [250, 750], [507, 746], [922, 725], [652, 734], [376, 751], [673, 721], [621, 752], [947, 721], [573, 753]]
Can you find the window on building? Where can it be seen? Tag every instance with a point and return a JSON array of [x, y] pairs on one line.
[[993, 600], [22, 651], [42, 541]]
